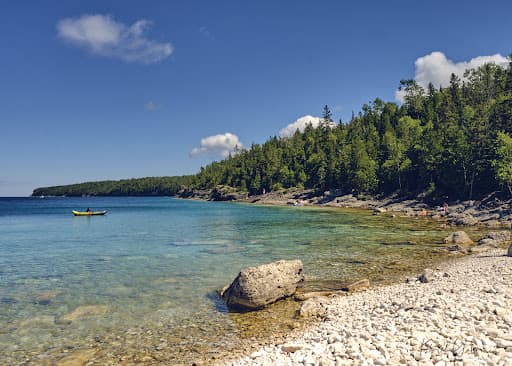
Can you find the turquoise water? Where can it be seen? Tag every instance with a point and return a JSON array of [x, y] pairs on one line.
[[152, 265]]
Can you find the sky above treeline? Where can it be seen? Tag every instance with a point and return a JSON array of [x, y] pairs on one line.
[[100, 89]]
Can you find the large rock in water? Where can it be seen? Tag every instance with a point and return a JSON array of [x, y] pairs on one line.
[[458, 237], [494, 239], [499, 236], [256, 287]]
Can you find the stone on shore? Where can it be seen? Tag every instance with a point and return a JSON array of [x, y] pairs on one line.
[[379, 210], [291, 347], [309, 295], [465, 219], [256, 287], [315, 307], [458, 237], [357, 286], [426, 276], [463, 317], [509, 253]]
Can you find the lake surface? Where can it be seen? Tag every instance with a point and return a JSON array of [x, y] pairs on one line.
[[149, 269]]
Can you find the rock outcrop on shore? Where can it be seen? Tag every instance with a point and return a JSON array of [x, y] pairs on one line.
[[495, 238], [460, 316], [490, 211], [257, 287]]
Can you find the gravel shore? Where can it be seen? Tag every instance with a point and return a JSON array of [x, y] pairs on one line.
[[461, 316]]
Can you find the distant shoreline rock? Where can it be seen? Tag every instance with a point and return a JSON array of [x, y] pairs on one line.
[[489, 211]]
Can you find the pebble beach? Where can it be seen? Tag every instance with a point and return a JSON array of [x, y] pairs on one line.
[[460, 314]]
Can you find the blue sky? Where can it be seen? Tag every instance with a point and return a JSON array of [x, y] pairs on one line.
[[99, 89]]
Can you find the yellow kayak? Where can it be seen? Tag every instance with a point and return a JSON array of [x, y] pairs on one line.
[[88, 213]]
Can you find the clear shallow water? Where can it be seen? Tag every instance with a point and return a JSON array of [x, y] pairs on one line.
[[152, 265]]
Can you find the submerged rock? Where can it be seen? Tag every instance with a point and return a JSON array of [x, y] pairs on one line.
[[458, 237], [457, 249], [500, 237], [481, 248], [256, 287], [26, 324], [84, 311], [494, 239], [46, 297], [77, 358], [487, 242]]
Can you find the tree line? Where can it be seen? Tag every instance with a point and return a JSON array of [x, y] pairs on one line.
[[151, 186], [452, 141]]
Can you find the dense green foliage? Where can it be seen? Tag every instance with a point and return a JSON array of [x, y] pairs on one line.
[[503, 163], [449, 142], [153, 186], [452, 141]]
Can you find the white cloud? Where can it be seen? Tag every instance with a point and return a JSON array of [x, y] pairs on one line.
[[218, 145], [102, 35], [436, 68], [152, 106], [206, 32], [300, 124]]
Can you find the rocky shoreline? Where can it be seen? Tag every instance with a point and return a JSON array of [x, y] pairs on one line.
[[492, 211], [457, 313], [442, 317]]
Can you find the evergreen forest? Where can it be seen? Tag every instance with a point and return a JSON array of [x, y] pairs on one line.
[[453, 142], [151, 186]]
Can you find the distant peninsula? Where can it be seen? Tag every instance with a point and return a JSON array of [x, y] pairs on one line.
[[150, 186]]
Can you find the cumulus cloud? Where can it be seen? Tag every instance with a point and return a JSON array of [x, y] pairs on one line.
[[436, 68], [104, 36], [206, 32], [218, 145], [152, 106], [300, 124]]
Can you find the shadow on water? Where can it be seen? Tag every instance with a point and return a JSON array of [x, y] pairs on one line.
[[217, 302], [8, 300]]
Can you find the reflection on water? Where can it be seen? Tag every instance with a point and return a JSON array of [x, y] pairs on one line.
[[141, 281]]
